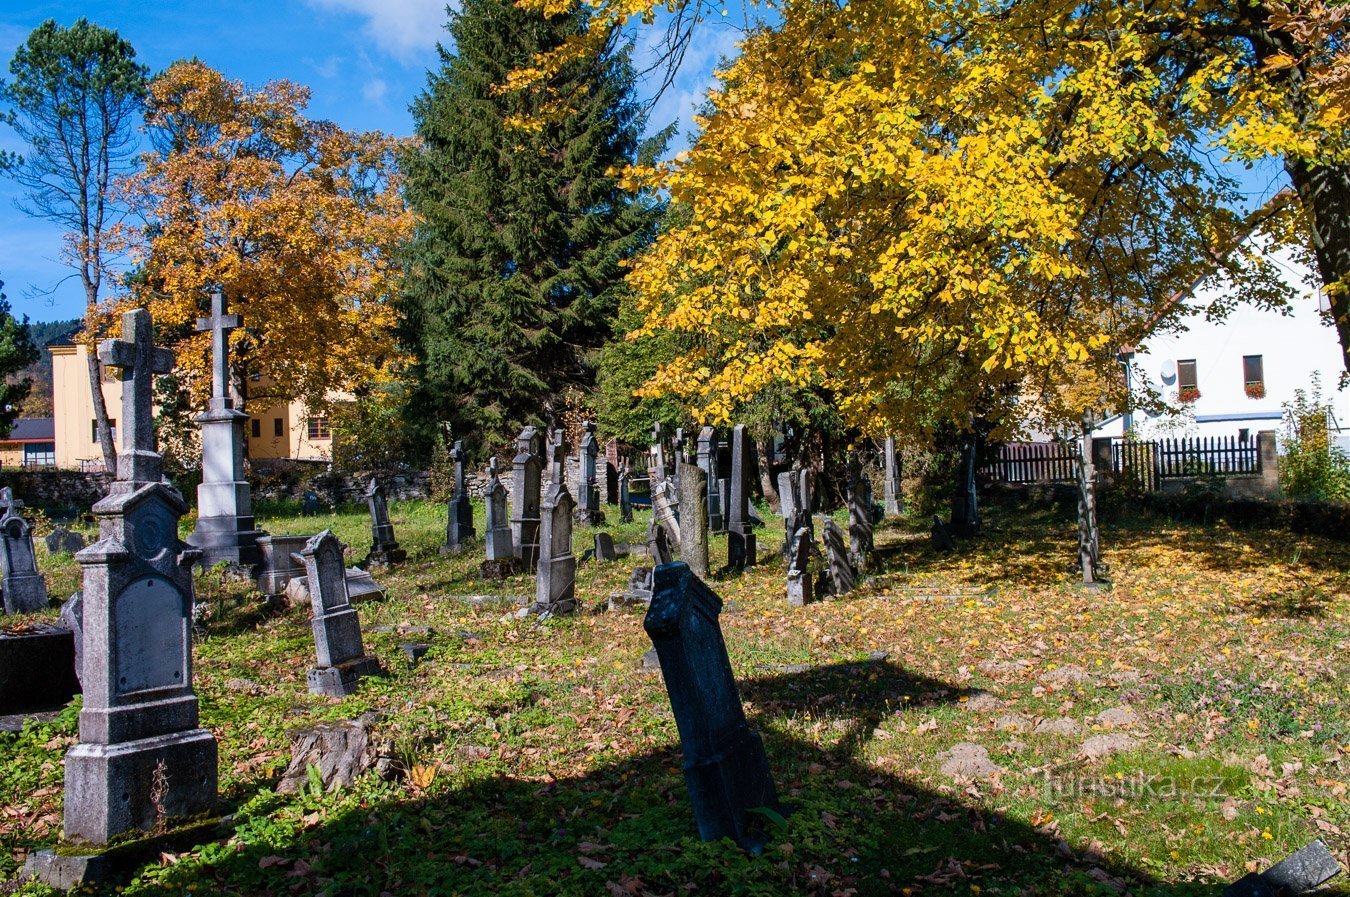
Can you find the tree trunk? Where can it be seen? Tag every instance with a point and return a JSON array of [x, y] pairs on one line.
[[1324, 191], [101, 424], [766, 483], [1089, 535]]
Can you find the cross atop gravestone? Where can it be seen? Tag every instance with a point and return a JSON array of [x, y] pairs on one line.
[[8, 503], [139, 360], [557, 458], [219, 325]]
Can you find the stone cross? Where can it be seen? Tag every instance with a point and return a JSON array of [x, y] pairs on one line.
[[526, 471], [707, 459], [725, 767], [342, 659], [499, 544], [24, 588], [459, 531], [625, 499], [740, 534], [893, 500], [694, 519], [219, 324], [658, 455], [139, 360], [8, 503]]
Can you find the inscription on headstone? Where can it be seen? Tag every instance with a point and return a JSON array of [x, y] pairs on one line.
[[555, 584], [342, 659], [588, 489]]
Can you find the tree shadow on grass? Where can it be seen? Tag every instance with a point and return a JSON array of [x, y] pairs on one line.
[[626, 827]]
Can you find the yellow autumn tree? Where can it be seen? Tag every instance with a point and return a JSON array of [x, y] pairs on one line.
[[296, 220]]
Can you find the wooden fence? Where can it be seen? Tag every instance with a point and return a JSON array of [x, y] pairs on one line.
[[1033, 462], [1144, 462]]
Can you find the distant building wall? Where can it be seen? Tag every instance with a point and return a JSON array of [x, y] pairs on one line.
[[73, 407]]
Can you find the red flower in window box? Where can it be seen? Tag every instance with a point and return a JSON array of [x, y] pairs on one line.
[[1188, 394], [1256, 390]]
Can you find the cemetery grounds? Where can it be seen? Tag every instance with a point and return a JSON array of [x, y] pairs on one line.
[[968, 724]]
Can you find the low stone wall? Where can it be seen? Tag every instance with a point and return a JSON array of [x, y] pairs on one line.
[[57, 490]]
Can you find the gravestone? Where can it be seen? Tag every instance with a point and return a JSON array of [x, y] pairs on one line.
[[588, 490], [279, 565], [725, 767], [459, 532], [526, 473], [609, 473], [694, 519], [677, 453], [142, 759], [625, 498], [794, 497], [605, 549], [555, 584], [63, 540], [860, 513], [940, 537], [37, 668], [665, 510], [799, 590], [842, 576], [707, 460], [309, 506], [384, 547], [342, 659], [740, 532], [499, 543], [8, 503], [658, 543], [1300, 872], [25, 591], [657, 466], [893, 500], [224, 530]]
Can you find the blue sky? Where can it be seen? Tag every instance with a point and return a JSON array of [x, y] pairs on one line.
[[365, 60]]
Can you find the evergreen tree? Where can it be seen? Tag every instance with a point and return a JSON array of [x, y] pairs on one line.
[[515, 272], [16, 353]]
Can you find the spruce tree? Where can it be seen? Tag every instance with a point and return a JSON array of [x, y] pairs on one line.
[[16, 353], [514, 274]]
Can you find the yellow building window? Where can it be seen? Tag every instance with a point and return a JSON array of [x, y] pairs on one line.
[[319, 429], [278, 427], [257, 428], [93, 429]]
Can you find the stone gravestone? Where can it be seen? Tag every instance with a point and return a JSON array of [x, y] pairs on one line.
[[25, 591], [588, 489], [707, 460], [893, 501], [1300, 872], [62, 539], [342, 659], [799, 590], [225, 530], [859, 501], [500, 547], [725, 768], [142, 759], [841, 573], [309, 506], [459, 532], [666, 510], [605, 550], [555, 584], [526, 472], [658, 544], [694, 519], [625, 499], [384, 547], [657, 465], [941, 537], [722, 459], [794, 497], [677, 452], [740, 533], [279, 565]]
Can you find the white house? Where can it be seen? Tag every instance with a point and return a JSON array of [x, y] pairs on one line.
[[1231, 377]]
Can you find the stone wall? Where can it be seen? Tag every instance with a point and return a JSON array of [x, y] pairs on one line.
[[58, 490]]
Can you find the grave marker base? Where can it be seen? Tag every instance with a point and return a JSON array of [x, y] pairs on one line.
[[343, 679]]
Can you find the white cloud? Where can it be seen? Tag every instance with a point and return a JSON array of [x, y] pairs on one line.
[[402, 28], [374, 90]]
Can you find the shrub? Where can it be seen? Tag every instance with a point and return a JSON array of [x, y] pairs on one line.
[[1312, 469]]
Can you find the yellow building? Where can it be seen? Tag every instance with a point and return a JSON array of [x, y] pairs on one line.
[[281, 430]]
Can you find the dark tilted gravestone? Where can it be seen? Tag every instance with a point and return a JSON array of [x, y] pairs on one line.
[[941, 537], [555, 583], [725, 768], [694, 519], [526, 473], [1299, 873], [842, 576], [604, 548], [459, 531], [309, 505], [588, 489], [278, 565], [500, 547], [63, 540], [740, 532], [37, 669], [658, 544], [666, 510], [225, 532], [142, 760], [25, 591], [893, 498], [342, 659], [799, 590], [625, 498], [384, 547], [860, 510], [707, 460]]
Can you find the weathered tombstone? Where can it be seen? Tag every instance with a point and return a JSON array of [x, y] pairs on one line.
[[225, 530], [142, 759], [893, 499], [625, 499], [604, 548], [342, 659], [384, 547], [677, 452], [609, 473], [8, 503], [309, 505], [842, 574], [72, 618], [459, 532], [1298, 873], [725, 767], [740, 533], [499, 544], [941, 537], [799, 590], [694, 519], [555, 584], [794, 498], [657, 465], [658, 543], [279, 565], [666, 510], [707, 460], [588, 490], [526, 472], [25, 591], [859, 501], [61, 539]]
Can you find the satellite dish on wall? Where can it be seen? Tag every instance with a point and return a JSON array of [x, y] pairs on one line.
[[1169, 372]]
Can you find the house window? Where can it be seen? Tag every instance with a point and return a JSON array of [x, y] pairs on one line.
[[1186, 375], [93, 429], [278, 427], [39, 454], [1253, 377], [257, 427], [318, 428]]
